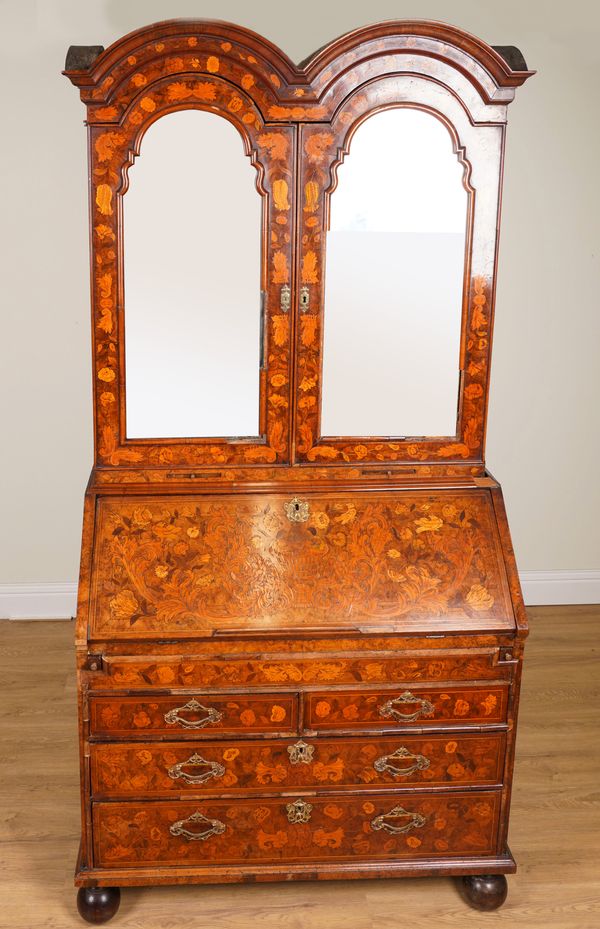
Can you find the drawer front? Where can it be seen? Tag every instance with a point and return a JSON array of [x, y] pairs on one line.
[[434, 706], [155, 770], [296, 829], [193, 717], [191, 673], [403, 559]]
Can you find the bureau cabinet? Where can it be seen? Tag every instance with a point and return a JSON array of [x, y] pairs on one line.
[[300, 630]]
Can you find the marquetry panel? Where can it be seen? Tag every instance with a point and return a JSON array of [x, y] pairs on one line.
[[189, 565]]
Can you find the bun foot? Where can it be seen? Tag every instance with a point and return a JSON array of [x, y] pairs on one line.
[[485, 891], [98, 904]]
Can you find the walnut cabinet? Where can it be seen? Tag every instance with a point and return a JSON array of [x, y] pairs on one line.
[[300, 629]]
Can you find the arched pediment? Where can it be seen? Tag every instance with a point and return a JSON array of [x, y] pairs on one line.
[[111, 79]]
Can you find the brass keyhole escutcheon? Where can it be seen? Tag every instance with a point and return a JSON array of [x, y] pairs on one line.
[[285, 298], [296, 510], [304, 299], [299, 811], [301, 753]]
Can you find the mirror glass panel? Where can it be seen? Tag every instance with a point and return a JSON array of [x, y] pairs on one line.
[[192, 236], [395, 259]]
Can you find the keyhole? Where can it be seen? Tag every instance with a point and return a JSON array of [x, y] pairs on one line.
[[296, 507]]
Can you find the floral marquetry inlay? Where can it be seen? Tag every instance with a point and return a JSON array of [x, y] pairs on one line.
[[185, 564]]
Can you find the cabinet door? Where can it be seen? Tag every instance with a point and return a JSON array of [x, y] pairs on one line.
[[192, 199], [397, 237]]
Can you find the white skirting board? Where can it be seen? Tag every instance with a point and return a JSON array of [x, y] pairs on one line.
[[38, 601], [549, 588], [58, 601]]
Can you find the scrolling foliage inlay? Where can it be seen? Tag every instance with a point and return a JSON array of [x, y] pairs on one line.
[[190, 564]]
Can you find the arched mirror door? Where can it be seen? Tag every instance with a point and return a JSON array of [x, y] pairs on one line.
[[193, 202], [393, 317]]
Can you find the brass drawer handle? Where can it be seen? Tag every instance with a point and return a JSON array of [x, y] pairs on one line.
[[192, 706], [176, 771], [216, 828], [420, 763], [415, 821], [298, 811], [425, 708], [297, 511], [301, 753]]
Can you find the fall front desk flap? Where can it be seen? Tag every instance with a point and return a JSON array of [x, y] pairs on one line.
[[371, 561]]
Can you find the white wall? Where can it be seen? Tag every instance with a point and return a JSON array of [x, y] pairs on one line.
[[543, 438]]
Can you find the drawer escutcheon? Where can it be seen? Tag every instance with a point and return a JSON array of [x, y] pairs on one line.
[[298, 811], [301, 753]]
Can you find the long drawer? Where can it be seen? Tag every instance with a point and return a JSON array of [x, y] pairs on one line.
[[422, 825], [384, 709], [196, 717], [205, 672], [123, 771]]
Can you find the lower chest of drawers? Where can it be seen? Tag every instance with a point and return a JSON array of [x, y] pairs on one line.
[[225, 778]]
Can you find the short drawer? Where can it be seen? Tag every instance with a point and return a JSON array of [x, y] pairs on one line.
[[296, 828], [195, 716], [433, 706], [124, 771]]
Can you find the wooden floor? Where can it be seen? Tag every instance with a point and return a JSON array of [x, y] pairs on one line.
[[554, 835]]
